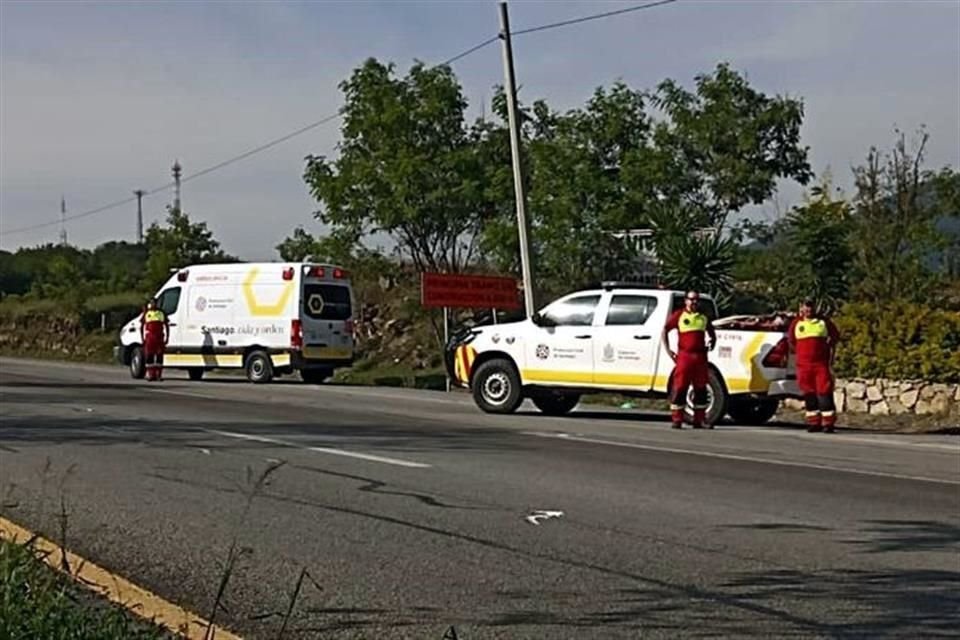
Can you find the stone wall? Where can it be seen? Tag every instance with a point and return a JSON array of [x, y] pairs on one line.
[[881, 397]]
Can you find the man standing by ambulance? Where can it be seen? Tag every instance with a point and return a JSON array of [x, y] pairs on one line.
[[814, 340], [154, 333], [692, 368]]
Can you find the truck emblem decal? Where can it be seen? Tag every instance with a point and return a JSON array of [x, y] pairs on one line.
[[543, 352], [608, 353], [201, 303], [511, 339]]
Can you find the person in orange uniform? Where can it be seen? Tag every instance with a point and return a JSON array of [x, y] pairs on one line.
[[154, 333], [813, 339], [692, 368]]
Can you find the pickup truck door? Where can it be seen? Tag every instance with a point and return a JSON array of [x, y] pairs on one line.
[[625, 347], [563, 354]]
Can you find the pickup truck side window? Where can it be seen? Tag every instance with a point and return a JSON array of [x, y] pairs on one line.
[[574, 312], [630, 310]]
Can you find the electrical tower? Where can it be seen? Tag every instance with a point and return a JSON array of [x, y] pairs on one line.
[[63, 221], [176, 184]]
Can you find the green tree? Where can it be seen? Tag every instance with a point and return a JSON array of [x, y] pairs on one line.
[[178, 244], [299, 246], [820, 257], [406, 167], [613, 164], [895, 233]]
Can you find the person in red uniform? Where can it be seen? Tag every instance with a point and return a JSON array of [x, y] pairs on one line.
[[692, 369], [154, 333], [813, 339]]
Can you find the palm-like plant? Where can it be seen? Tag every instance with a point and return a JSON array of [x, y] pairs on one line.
[[691, 256]]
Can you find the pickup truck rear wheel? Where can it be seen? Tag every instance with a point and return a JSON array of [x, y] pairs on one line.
[[555, 403], [496, 387], [752, 411], [716, 400]]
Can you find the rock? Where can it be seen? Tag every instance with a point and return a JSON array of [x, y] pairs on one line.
[[956, 394], [927, 392], [896, 408], [874, 393], [909, 398], [856, 390], [856, 405], [940, 403], [891, 391], [839, 399], [880, 409]]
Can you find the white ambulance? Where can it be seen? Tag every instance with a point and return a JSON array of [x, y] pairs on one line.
[[268, 319], [608, 340]]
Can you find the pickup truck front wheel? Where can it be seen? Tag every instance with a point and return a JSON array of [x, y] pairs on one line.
[[555, 403], [496, 387], [752, 411], [716, 400]]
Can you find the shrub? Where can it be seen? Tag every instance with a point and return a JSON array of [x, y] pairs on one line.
[[898, 340]]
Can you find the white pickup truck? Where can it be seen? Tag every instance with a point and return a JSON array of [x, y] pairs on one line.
[[608, 340]]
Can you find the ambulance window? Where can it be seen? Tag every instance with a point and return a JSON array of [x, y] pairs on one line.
[[169, 301], [573, 312], [327, 301], [630, 310]]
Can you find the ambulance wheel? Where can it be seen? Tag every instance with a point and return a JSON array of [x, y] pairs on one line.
[[753, 411], [315, 376], [259, 368], [195, 373], [138, 365], [496, 387], [555, 403]]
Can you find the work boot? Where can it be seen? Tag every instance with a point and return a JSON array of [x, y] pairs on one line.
[[676, 425], [814, 428]]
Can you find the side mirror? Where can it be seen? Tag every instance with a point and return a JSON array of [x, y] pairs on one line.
[[542, 321]]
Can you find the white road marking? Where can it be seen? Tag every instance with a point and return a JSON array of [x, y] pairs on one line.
[[537, 516], [334, 452], [843, 437], [731, 456]]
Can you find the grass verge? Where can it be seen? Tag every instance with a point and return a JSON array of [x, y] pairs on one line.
[[38, 602]]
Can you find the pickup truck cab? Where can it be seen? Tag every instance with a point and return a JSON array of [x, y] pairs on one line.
[[608, 340]]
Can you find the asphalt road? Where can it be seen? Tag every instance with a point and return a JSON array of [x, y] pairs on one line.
[[407, 510]]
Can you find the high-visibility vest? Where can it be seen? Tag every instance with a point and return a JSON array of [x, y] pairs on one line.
[[154, 315], [807, 328], [692, 322]]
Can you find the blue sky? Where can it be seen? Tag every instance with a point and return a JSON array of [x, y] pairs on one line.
[[97, 99]]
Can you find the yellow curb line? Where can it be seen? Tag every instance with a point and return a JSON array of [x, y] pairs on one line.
[[118, 589]]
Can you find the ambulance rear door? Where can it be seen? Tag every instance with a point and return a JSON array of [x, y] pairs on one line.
[[326, 314]]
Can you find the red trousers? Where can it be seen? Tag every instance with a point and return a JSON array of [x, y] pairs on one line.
[[692, 370], [153, 356], [816, 384]]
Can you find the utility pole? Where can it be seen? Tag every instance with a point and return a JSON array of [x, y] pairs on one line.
[[139, 193], [522, 227], [63, 221], [176, 184]]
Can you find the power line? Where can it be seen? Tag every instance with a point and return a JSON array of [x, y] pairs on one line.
[[229, 161], [329, 118], [595, 16]]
